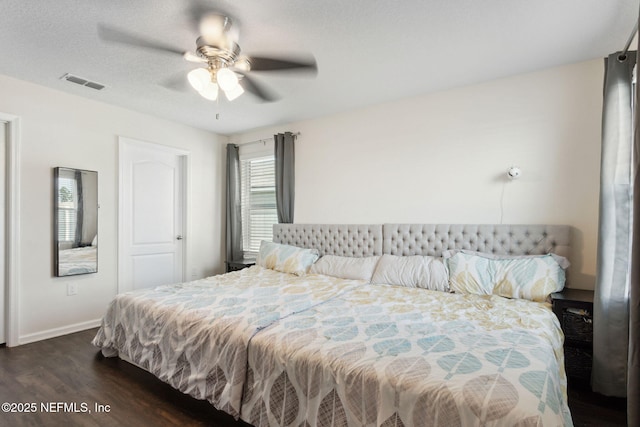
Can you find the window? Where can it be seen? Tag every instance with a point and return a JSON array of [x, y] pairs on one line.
[[258, 199], [67, 208]]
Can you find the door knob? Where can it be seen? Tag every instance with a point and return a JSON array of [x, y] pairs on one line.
[[179, 238]]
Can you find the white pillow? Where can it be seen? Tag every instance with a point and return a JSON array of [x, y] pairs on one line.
[[345, 267], [414, 271]]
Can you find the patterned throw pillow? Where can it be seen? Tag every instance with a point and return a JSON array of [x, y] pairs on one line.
[[285, 258], [528, 277]]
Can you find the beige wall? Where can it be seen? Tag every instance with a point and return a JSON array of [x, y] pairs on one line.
[[442, 158], [59, 129], [438, 158]]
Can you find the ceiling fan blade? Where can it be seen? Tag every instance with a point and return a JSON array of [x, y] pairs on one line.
[[258, 89], [192, 57], [260, 63], [118, 36], [177, 82]]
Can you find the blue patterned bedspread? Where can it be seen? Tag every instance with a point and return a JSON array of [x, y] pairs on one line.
[[195, 335], [395, 356]]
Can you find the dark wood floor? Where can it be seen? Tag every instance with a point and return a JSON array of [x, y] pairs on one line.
[[591, 409], [69, 370]]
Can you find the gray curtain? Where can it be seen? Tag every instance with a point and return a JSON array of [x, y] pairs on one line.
[[234, 206], [633, 379], [611, 302], [285, 176], [79, 210]]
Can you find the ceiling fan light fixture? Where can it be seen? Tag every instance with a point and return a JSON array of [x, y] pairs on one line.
[[212, 27], [192, 57], [210, 91], [227, 79], [221, 65], [233, 33], [243, 64], [219, 30], [234, 92], [199, 78]]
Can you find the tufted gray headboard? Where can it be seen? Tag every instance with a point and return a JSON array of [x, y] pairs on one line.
[[425, 239], [333, 239], [503, 239]]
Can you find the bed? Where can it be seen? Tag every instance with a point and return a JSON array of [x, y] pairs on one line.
[[277, 349], [78, 261]]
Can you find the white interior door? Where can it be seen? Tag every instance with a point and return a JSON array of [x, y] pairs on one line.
[[152, 216], [3, 240]]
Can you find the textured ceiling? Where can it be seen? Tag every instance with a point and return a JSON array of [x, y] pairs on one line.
[[368, 51]]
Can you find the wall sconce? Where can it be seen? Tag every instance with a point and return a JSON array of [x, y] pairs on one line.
[[514, 172]]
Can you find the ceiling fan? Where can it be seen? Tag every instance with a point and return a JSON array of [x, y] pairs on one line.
[[224, 69]]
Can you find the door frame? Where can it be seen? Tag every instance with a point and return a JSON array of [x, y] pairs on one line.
[[12, 227], [186, 201]]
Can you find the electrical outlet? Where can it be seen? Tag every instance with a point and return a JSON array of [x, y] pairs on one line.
[[72, 289], [194, 274]]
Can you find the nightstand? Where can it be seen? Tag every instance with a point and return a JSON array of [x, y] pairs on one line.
[[239, 265], [574, 309]]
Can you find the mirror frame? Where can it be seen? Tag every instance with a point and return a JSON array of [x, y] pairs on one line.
[[56, 218]]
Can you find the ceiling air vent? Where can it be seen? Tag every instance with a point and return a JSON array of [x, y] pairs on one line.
[[82, 82]]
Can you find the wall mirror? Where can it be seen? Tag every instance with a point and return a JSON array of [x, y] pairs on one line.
[[75, 219]]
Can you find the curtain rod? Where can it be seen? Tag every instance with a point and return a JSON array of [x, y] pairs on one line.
[[626, 46], [263, 140]]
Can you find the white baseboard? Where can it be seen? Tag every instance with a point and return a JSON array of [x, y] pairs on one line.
[[57, 332]]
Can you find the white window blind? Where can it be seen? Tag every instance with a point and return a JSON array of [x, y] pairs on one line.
[[258, 199], [67, 201]]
